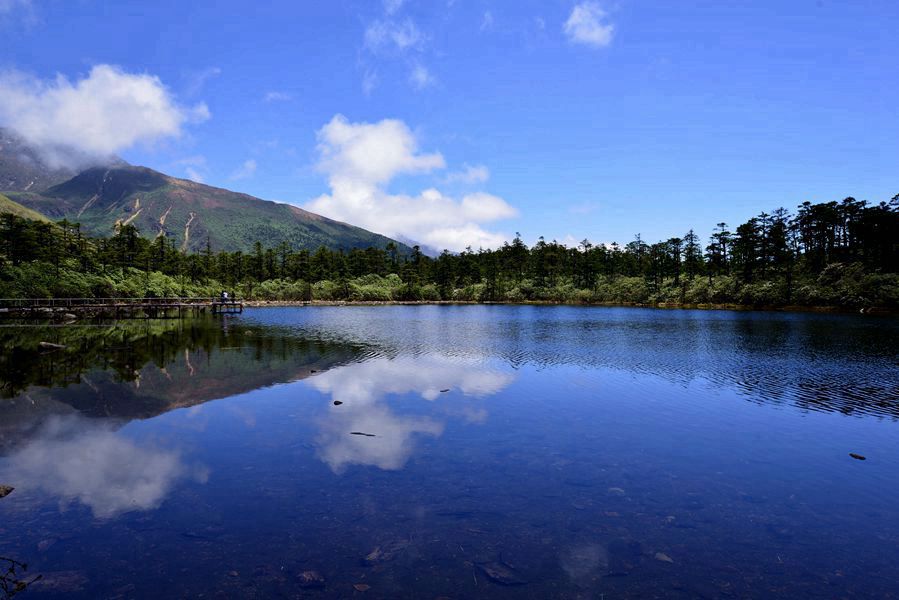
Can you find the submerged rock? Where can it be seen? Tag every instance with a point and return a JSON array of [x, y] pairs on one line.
[[6, 490], [500, 572], [661, 556], [385, 552], [310, 579]]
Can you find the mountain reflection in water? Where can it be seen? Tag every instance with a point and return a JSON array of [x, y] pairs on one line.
[[137, 370]]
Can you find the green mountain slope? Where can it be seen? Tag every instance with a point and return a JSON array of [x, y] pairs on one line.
[[7, 206], [188, 212]]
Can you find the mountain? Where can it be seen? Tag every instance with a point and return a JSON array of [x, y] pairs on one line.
[[102, 198], [427, 250], [22, 169], [7, 206]]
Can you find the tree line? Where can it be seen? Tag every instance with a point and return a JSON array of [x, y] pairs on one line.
[[835, 253]]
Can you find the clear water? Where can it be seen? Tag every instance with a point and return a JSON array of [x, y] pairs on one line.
[[512, 452]]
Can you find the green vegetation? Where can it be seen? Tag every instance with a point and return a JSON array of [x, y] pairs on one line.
[[7, 206], [842, 254]]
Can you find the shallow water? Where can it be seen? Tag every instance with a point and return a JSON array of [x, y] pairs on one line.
[[460, 452]]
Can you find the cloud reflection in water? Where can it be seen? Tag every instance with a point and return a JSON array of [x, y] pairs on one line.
[[74, 458], [362, 387]]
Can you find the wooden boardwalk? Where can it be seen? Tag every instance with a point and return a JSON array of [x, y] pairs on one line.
[[119, 308]]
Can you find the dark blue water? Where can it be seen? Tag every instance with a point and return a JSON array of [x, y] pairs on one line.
[[455, 452]]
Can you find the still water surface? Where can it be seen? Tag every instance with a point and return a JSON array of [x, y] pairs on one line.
[[456, 452]]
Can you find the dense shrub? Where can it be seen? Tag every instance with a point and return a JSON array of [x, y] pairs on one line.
[[327, 290]]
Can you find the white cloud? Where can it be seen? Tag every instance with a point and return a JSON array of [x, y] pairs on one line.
[[369, 82], [372, 153], [587, 25], [360, 159], [390, 35], [195, 167], [197, 80], [277, 97], [420, 77], [395, 39], [469, 174], [92, 118], [75, 459], [486, 207], [194, 175], [460, 237], [244, 171]]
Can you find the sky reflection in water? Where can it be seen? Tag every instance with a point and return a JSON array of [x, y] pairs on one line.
[[73, 459], [361, 389], [571, 452]]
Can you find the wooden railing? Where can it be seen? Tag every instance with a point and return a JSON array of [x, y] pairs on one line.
[[85, 302]]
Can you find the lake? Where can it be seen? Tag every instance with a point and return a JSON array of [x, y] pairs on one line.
[[454, 452]]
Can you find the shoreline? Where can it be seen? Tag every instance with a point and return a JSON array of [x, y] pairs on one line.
[[72, 314], [874, 310]]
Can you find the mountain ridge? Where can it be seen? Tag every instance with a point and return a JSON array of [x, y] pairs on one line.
[[189, 213]]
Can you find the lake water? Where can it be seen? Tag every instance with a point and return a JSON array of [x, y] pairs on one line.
[[454, 452]]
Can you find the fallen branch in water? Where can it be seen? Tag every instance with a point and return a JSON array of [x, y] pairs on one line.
[[10, 584]]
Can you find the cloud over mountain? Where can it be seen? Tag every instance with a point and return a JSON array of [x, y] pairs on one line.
[[74, 123], [361, 159]]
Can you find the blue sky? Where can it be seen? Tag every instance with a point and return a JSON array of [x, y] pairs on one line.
[[455, 122]]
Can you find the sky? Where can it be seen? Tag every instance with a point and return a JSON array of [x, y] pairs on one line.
[[461, 122]]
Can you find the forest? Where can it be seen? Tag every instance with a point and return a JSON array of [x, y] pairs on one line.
[[837, 254]]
